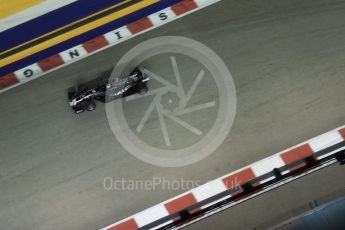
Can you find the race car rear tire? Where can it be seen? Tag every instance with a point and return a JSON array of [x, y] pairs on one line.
[[71, 95], [78, 109], [91, 106]]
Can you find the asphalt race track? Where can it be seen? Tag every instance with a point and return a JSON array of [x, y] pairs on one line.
[[287, 59]]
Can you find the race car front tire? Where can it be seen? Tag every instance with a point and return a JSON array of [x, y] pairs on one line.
[[143, 89]]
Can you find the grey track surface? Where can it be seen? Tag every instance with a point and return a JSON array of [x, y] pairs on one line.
[[287, 61]]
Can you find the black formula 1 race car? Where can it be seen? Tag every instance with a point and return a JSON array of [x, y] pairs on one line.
[[108, 90]]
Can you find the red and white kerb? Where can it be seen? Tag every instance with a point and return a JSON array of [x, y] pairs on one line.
[[102, 42], [231, 180]]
